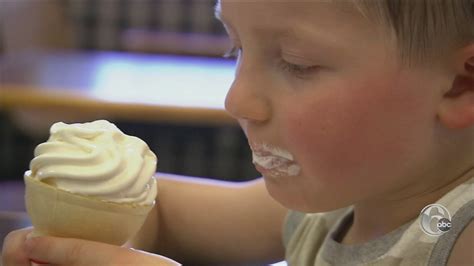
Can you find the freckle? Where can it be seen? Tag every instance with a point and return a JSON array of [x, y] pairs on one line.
[[324, 129]]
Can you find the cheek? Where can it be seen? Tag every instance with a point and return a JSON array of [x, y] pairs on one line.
[[344, 139], [323, 139]]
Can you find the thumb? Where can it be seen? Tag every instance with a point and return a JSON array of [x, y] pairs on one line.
[[68, 251], [78, 252]]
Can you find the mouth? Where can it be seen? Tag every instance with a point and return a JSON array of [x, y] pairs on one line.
[[274, 161]]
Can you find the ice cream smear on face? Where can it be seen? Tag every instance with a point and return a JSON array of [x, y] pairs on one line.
[[97, 160], [277, 161]]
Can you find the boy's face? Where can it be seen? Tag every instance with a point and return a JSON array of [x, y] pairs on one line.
[[320, 81]]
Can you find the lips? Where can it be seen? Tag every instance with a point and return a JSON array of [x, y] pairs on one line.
[[274, 161]]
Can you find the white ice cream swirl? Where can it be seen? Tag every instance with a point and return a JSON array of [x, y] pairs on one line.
[[96, 159]]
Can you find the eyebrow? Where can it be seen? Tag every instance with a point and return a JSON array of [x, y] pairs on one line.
[[289, 33]]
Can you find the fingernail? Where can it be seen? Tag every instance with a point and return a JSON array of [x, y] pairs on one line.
[[31, 239], [29, 244], [37, 262], [29, 235]]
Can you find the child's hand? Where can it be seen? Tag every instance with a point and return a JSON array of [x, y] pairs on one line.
[[18, 250], [13, 251]]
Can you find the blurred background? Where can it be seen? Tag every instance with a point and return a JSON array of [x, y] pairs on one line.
[[153, 67]]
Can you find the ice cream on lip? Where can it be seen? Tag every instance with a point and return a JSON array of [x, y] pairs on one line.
[[275, 160], [97, 160]]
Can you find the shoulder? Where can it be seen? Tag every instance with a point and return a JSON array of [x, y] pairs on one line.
[[461, 253], [310, 227]]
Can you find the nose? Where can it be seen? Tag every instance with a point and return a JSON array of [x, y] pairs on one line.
[[247, 98]]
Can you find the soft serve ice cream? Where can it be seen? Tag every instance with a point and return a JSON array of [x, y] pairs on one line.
[[98, 160], [90, 181]]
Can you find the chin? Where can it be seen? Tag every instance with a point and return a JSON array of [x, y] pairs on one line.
[[294, 199]]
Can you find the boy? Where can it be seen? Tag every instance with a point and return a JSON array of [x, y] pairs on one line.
[[360, 112]]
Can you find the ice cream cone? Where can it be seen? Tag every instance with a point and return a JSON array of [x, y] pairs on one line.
[[59, 213]]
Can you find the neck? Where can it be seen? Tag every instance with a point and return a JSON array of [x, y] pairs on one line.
[[377, 217]]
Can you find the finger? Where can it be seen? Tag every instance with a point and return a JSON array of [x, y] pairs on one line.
[[76, 252], [13, 250], [151, 259], [37, 262], [68, 251]]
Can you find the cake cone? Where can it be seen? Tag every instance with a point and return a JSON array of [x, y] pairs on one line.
[[60, 213]]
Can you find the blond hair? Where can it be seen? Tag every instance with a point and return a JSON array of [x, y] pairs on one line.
[[426, 30]]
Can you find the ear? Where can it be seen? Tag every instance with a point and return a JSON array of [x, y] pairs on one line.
[[456, 109]]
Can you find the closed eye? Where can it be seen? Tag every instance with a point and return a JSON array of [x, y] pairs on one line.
[[298, 70]]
